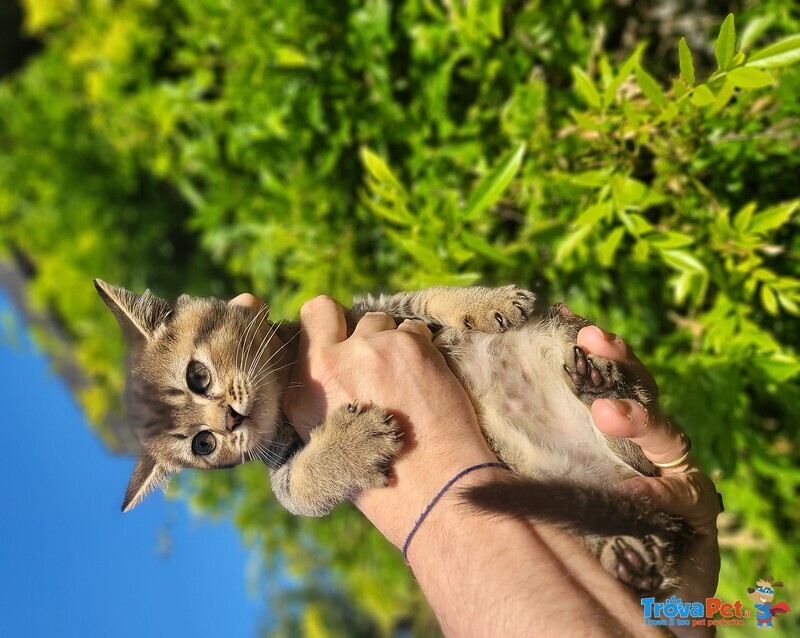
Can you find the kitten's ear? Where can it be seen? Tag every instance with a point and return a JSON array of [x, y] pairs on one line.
[[148, 474], [139, 315]]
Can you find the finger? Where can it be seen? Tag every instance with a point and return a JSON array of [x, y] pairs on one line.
[[660, 440], [691, 495], [322, 322], [246, 300], [597, 341], [608, 345], [374, 322], [416, 326]]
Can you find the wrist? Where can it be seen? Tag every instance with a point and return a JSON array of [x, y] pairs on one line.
[[445, 494], [394, 510]]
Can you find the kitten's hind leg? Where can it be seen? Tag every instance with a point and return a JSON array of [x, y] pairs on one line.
[[646, 565], [636, 544], [351, 451], [595, 377], [474, 308], [591, 376]]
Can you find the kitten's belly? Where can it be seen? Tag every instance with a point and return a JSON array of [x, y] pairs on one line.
[[528, 410]]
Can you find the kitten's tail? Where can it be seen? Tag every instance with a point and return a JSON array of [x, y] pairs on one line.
[[578, 508]]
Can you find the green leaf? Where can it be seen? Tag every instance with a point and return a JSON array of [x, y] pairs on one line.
[[585, 86], [394, 213], [627, 192], [608, 247], [670, 239], [703, 96], [683, 286], [749, 78], [625, 70], [593, 179], [778, 367], [768, 300], [782, 53], [773, 217], [636, 224], [649, 86], [725, 46], [378, 169], [682, 260], [417, 249], [723, 97], [741, 221], [586, 122], [788, 304], [571, 242], [754, 29], [491, 187], [594, 214], [479, 245], [289, 57], [685, 59]]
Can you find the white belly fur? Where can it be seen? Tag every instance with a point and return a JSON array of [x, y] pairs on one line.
[[526, 406]]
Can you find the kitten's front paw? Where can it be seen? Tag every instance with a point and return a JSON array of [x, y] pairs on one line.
[[370, 438], [500, 309], [350, 452]]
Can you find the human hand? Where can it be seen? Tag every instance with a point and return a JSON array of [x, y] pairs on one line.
[[684, 489], [399, 370]]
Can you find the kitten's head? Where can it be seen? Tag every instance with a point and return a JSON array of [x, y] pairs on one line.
[[204, 384]]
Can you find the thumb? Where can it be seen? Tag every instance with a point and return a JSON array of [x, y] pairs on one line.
[[689, 494]]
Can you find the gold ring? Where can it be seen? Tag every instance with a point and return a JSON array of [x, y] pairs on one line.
[[676, 462]]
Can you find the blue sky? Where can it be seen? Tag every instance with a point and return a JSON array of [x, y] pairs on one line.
[[72, 563]]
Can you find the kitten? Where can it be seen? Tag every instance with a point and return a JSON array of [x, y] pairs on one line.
[[207, 379]]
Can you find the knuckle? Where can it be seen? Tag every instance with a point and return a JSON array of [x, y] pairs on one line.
[[661, 490], [317, 304], [693, 490]]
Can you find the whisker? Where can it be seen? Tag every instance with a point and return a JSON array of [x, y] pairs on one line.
[[274, 354], [252, 337], [246, 334], [264, 343], [243, 336], [266, 382], [267, 373]]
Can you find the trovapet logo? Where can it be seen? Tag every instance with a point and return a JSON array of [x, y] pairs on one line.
[[763, 596], [673, 612]]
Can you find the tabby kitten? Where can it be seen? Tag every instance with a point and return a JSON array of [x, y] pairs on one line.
[[207, 379]]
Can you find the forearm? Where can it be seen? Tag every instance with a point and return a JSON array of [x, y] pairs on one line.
[[489, 575]]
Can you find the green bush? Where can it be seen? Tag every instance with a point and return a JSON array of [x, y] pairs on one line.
[[299, 148]]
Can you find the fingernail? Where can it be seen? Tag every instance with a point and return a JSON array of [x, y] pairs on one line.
[[620, 407]]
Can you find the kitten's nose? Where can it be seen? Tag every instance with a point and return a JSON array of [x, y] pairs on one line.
[[233, 419]]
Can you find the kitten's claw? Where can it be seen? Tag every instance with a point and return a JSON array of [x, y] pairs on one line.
[[500, 309], [370, 438], [356, 408]]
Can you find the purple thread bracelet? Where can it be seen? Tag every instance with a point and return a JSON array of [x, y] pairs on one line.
[[436, 498]]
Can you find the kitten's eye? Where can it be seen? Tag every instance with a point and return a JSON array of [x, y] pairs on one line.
[[204, 443], [198, 378]]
